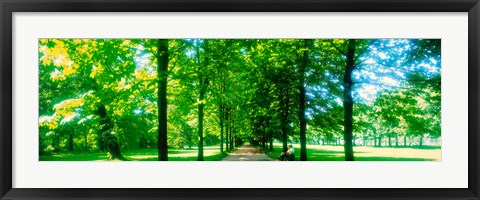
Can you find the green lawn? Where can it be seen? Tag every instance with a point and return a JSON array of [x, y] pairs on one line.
[[314, 153], [336, 153], [211, 153]]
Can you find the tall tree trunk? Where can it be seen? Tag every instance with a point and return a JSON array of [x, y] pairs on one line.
[[100, 142], [221, 127], [264, 143], [348, 100], [227, 128], [109, 138], [162, 74], [421, 140], [396, 139], [70, 141], [302, 102], [405, 141], [222, 111], [221, 136], [86, 141], [389, 139], [284, 138], [231, 135], [202, 87], [284, 118], [270, 138], [200, 122]]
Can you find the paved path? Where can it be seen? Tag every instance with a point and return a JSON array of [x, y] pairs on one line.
[[247, 153]]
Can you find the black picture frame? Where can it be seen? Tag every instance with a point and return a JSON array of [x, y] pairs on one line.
[[7, 7]]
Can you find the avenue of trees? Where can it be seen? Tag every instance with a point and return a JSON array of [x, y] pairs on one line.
[[110, 95]]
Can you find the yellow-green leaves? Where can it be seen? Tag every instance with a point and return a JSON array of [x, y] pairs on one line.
[[66, 107], [200, 102], [145, 75], [96, 70], [59, 56], [48, 121]]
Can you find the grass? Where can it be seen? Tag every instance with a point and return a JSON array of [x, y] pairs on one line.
[[314, 153], [210, 153], [336, 153]]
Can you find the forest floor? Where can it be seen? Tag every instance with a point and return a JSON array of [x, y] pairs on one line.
[[364, 153], [247, 152]]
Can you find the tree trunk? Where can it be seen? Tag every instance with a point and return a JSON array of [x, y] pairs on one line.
[[389, 140], [348, 100], [101, 142], [264, 144], [221, 127], [200, 122], [143, 142], [396, 140], [405, 141], [202, 87], [109, 138], [86, 141], [231, 135], [227, 128], [221, 138], [421, 140], [284, 139], [70, 141], [222, 113], [271, 140], [284, 124], [162, 75], [302, 97]]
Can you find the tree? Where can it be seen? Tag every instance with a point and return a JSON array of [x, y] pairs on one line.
[[348, 100], [162, 74], [95, 91], [304, 62]]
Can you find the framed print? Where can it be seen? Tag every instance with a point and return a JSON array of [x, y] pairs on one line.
[[248, 100]]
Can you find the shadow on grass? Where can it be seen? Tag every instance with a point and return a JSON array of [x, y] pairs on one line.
[[214, 157], [137, 155], [75, 156]]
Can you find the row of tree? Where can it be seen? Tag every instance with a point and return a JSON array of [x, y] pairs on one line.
[[116, 94]]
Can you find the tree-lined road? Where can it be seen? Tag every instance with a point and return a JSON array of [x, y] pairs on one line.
[[247, 152]]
